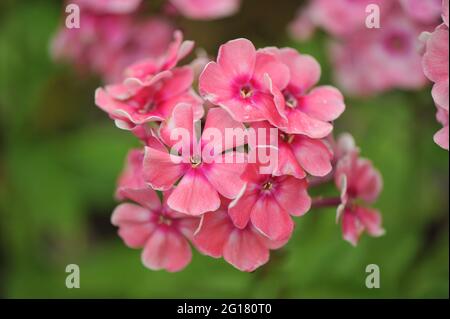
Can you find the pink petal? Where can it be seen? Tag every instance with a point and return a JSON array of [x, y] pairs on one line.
[[440, 93], [287, 162], [270, 65], [224, 176], [161, 169], [240, 209], [237, 58], [220, 123], [243, 111], [194, 195], [371, 220], [291, 194], [245, 250], [130, 214], [167, 250], [324, 103], [134, 224], [441, 137], [180, 82], [206, 9], [214, 85], [270, 219], [215, 228], [304, 69], [313, 155], [301, 123], [351, 229], [366, 181], [435, 59], [180, 128]]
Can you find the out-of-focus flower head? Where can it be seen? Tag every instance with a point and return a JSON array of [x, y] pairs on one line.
[[360, 185], [205, 9], [435, 62]]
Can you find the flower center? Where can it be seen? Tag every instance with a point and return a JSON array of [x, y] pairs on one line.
[[146, 108], [195, 160], [164, 220], [291, 101], [246, 91], [288, 138], [267, 186]]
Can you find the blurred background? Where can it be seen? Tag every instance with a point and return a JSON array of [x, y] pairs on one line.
[[60, 157]]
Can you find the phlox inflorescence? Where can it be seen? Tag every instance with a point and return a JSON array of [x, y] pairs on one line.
[[232, 161]]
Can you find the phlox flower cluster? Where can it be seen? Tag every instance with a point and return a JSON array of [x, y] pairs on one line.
[[226, 164]]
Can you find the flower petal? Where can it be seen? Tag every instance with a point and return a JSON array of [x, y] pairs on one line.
[[324, 103], [313, 155], [167, 250], [292, 195], [162, 169], [237, 58], [270, 219], [194, 195], [215, 228], [245, 250]]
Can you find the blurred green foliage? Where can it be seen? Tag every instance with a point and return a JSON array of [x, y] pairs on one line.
[[60, 156]]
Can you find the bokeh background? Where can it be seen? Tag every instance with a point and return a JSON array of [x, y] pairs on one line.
[[60, 156]]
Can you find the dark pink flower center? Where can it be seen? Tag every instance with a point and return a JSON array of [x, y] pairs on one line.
[[195, 160], [163, 220], [246, 91], [267, 186], [397, 43], [288, 138], [291, 100]]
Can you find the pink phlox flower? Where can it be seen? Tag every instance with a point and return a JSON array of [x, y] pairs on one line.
[[203, 166]]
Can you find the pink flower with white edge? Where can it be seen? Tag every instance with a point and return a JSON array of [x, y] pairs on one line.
[[201, 176], [296, 154], [241, 79], [268, 201], [162, 233], [246, 248], [129, 106], [357, 180], [206, 9], [308, 110]]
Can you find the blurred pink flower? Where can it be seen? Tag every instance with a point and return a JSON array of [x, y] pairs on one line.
[[340, 17], [206, 9], [267, 202], [200, 180], [110, 38], [435, 63], [427, 11], [358, 181], [375, 60], [241, 79], [108, 6], [246, 248], [308, 110], [162, 233]]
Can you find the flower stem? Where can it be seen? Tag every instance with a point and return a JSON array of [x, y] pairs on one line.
[[320, 202]]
